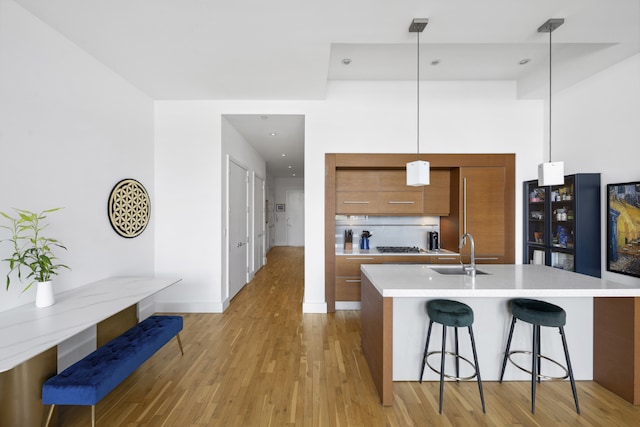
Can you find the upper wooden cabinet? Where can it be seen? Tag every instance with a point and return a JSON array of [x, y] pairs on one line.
[[385, 192], [436, 194], [400, 202], [357, 180]]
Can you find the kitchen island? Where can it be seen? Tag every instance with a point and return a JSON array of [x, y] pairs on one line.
[[394, 319]]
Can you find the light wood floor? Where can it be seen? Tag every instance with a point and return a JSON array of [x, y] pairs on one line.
[[264, 363]]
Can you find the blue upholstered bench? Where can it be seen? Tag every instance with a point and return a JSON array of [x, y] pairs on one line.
[[87, 381]]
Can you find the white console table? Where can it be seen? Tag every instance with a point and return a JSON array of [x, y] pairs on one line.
[[29, 337]]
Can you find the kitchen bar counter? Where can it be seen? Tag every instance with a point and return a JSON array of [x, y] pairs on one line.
[[394, 319], [508, 281]]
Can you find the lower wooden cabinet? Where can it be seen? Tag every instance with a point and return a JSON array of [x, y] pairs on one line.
[[348, 275], [347, 280]]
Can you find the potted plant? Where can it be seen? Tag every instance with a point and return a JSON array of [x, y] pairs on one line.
[[32, 251]]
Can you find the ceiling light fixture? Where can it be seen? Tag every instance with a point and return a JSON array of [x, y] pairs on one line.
[[273, 134], [418, 171], [550, 173], [346, 61]]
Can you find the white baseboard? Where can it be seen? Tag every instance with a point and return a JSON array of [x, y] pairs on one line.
[[314, 307], [347, 305]]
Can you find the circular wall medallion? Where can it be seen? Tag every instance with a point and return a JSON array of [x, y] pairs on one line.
[[129, 208]]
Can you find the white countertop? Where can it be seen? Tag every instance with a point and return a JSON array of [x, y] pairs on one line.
[[508, 280], [27, 331]]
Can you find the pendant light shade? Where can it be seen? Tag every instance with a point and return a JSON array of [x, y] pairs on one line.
[[418, 171], [550, 173]]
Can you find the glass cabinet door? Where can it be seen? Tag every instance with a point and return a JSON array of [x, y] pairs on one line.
[[535, 224]]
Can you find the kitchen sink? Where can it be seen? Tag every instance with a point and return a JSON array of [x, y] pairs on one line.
[[453, 269]]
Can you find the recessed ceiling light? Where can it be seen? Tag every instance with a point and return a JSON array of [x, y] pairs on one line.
[[284, 155], [435, 62], [293, 174], [524, 61], [289, 166], [273, 134], [346, 61]]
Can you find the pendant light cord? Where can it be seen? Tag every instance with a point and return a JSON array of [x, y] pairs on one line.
[[550, 31], [418, 92]]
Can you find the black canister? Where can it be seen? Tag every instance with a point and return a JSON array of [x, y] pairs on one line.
[[432, 241]]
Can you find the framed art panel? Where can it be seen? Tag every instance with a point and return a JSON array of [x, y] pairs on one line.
[[623, 228]]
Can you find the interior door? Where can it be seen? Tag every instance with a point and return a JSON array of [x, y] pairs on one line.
[[238, 259], [258, 223], [295, 218]]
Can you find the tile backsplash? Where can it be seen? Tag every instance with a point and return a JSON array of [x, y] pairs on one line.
[[387, 230]]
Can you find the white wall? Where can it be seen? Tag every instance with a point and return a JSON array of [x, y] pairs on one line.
[[192, 143], [366, 117], [70, 129], [282, 185], [597, 130]]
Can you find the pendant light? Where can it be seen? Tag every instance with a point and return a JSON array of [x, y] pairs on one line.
[[550, 173], [418, 171]]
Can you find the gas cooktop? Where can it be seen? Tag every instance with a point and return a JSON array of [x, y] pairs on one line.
[[398, 249]]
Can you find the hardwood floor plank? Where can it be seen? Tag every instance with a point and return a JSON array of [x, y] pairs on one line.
[[264, 363]]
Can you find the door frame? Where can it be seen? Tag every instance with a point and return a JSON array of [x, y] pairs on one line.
[[231, 159], [258, 208]]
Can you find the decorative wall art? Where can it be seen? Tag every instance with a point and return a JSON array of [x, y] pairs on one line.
[[623, 228], [129, 208]]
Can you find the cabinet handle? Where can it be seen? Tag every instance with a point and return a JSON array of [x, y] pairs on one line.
[[401, 202], [355, 202], [488, 258], [464, 205], [353, 281], [447, 257], [359, 259]]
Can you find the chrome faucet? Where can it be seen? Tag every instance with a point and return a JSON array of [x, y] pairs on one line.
[[471, 269]]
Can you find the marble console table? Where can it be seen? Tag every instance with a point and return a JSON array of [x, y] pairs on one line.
[[394, 318], [29, 337]]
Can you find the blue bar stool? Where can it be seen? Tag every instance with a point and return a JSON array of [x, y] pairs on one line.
[[457, 315], [539, 313]]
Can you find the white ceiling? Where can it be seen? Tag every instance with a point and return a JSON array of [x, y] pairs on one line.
[[290, 49]]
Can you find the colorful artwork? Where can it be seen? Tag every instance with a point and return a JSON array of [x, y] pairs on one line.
[[623, 228]]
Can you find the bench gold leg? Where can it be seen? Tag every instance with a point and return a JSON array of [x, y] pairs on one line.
[[49, 416], [180, 343], [93, 415]]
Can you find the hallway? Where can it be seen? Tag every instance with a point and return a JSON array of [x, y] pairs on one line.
[[264, 363]]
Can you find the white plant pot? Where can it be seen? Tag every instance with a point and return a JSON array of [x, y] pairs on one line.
[[44, 294]]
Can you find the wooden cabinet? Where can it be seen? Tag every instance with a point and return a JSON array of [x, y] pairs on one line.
[[348, 275], [406, 259], [445, 259], [356, 202], [436, 194], [400, 202], [384, 192], [481, 210], [357, 180]]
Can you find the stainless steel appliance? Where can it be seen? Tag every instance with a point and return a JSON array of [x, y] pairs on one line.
[[397, 249], [433, 244]]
